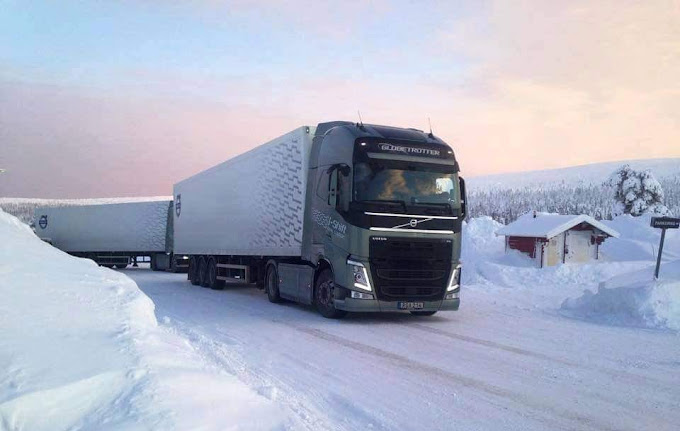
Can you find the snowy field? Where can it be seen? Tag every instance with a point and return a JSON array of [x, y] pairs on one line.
[[584, 175], [528, 350]]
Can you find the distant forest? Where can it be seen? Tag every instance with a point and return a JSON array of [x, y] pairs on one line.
[[503, 205], [506, 204]]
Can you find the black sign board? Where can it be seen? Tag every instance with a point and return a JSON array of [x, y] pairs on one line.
[[663, 223], [666, 222]]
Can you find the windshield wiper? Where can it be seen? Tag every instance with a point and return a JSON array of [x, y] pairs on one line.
[[445, 206], [386, 203]]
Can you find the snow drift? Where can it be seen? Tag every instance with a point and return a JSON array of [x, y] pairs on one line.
[[514, 279], [633, 299], [80, 348]]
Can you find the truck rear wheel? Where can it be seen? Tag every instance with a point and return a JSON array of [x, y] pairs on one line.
[[213, 282], [193, 270], [323, 296], [271, 283], [203, 271]]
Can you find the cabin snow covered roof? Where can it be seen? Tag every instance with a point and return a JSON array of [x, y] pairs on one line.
[[547, 225]]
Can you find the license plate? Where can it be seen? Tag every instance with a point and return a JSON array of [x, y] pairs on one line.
[[410, 305]]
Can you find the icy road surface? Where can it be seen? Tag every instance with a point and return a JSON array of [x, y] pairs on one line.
[[488, 366]]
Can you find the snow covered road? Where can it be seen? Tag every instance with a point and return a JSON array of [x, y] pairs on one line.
[[491, 365]]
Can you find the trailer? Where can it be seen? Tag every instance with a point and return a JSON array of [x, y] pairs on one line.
[[113, 235], [344, 216]]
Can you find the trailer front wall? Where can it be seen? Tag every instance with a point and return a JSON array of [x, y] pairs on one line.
[[251, 205]]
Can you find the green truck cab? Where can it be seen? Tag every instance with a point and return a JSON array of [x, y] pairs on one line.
[[386, 207]]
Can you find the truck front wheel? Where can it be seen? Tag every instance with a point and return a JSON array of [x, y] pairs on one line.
[[323, 296], [272, 284]]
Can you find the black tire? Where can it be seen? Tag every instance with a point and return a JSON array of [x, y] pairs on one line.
[[271, 284], [323, 296], [120, 266], [213, 282], [108, 265], [203, 271], [193, 271], [173, 264], [423, 313]]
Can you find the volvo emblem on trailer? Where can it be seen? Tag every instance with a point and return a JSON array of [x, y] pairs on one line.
[[178, 204], [413, 222], [43, 221]]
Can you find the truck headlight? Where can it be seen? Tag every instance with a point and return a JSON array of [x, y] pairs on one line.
[[359, 275], [454, 281]]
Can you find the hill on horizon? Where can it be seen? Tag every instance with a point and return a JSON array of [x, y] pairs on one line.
[[584, 175]]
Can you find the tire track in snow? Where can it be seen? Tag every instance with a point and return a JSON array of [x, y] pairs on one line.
[[539, 407], [632, 378], [222, 356]]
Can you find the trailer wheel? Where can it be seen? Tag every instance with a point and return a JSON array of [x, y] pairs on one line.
[[213, 282], [272, 284], [203, 271], [120, 265], [423, 313], [193, 270], [323, 296]]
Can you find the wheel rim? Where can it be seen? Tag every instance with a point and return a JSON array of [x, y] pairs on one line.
[[324, 294]]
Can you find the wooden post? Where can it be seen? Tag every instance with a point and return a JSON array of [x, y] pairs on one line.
[[663, 223], [658, 256]]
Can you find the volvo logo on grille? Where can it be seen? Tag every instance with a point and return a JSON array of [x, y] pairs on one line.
[[413, 223]]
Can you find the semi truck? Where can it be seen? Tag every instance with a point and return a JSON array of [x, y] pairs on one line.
[[113, 235], [348, 217]]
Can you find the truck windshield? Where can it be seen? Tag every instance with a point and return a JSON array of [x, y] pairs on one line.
[[412, 185]]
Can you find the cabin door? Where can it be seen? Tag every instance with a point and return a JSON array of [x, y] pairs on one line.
[[578, 246]]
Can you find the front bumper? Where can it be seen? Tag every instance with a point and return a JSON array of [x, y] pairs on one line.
[[375, 305]]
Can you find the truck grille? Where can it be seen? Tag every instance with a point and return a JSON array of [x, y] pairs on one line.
[[410, 269]]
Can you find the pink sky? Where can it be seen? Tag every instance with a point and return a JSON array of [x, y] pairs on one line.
[[510, 86]]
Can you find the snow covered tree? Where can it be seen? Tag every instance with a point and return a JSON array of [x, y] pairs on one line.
[[636, 192]]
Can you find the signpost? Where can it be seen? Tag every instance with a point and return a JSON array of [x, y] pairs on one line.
[[663, 223]]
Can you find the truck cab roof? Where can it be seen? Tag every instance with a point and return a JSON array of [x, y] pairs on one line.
[[338, 139], [377, 131]]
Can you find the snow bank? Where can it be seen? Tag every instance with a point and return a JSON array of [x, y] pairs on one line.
[[514, 278], [633, 299], [638, 240], [80, 347]]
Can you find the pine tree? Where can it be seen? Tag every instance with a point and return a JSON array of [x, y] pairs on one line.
[[636, 192]]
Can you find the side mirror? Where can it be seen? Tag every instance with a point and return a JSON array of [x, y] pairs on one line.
[[463, 198], [344, 188]]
